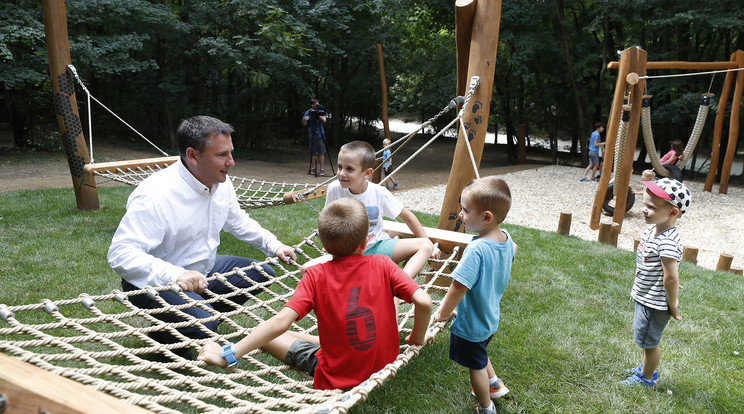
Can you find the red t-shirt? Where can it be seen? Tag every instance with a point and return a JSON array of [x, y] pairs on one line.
[[352, 297]]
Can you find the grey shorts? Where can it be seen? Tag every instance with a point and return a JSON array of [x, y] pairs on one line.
[[593, 157], [301, 355], [648, 324]]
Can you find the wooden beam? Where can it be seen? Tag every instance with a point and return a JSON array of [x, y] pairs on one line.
[[294, 196], [733, 137], [447, 239], [482, 62], [717, 130], [30, 389], [464, 10], [144, 163], [65, 104], [682, 65]]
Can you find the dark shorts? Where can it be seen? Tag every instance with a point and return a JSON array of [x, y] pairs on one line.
[[316, 145], [388, 170], [301, 355], [593, 157], [473, 355], [648, 325]]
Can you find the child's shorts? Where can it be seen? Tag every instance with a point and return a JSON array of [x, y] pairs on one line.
[[384, 246], [473, 355], [648, 324], [593, 157], [301, 355]]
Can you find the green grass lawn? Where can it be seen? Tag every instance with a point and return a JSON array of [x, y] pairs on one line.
[[565, 335]]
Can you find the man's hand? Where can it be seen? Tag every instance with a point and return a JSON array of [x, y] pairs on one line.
[[211, 353], [284, 253], [192, 281]]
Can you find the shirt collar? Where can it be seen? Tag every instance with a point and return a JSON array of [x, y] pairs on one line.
[[191, 180]]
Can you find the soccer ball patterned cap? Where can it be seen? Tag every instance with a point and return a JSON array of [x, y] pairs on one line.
[[672, 190]]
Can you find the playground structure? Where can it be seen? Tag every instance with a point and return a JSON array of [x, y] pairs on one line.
[[625, 117], [111, 359]]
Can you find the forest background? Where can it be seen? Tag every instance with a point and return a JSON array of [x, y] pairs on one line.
[[257, 63]]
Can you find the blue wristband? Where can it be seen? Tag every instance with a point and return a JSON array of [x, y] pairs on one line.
[[228, 352]]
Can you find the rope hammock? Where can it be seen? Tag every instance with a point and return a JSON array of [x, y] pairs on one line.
[[648, 136], [102, 342]]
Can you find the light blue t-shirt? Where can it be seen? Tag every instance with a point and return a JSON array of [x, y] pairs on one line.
[[484, 269], [594, 140], [386, 158]]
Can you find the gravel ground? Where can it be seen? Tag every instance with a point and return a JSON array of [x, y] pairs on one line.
[[714, 224]]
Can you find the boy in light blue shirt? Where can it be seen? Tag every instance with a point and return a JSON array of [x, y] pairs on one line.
[[479, 281]]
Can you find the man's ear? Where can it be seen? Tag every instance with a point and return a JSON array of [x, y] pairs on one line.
[[192, 156]]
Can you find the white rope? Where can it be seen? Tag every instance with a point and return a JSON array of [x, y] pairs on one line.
[[90, 96], [676, 75]]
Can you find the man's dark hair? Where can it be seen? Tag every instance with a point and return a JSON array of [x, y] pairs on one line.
[[314, 101], [197, 131], [598, 124]]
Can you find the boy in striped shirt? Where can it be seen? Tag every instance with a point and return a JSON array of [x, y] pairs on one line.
[[656, 285]]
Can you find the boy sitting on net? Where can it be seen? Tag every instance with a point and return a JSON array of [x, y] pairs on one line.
[[478, 282], [356, 161], [351, 296]]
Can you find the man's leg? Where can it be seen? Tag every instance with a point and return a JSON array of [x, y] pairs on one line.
[[225, 264]]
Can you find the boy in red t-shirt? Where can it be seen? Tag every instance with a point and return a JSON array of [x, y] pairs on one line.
[[352, 299]]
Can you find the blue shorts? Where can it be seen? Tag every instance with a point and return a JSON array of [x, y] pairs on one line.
[[473, 355], [648, 324], [593, 157], [301, 355], [384, 247]]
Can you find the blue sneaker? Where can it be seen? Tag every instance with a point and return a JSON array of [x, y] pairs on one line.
[[639, 371], [395, 185], [636, 379], [584, 179]]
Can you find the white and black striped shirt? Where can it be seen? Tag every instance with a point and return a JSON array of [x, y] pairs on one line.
[[648, 287]]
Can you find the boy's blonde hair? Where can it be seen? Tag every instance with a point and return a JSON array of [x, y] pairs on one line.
[[490, 194], [363, 151], [385, 142], [343, 226], [648, 175]]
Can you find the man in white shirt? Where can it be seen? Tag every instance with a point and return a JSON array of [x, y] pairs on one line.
[[171, 229]]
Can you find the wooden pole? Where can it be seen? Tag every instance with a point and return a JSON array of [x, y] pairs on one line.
[[30, 389], [716, 146], [464, 10], [690, 254], [733, 126], [608, 233], [564, 223], [482, 61], [622, 180], [65, 104], [613, 124], [737, 269], [383, 87]]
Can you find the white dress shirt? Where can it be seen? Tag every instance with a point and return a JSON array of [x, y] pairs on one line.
[[173, 224]]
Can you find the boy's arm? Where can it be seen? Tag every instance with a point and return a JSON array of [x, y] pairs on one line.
[[413, 223], [671, 285], [421, 314], [455, 293], [264, 333]]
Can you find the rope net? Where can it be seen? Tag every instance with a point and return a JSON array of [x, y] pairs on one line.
[[102, 342]]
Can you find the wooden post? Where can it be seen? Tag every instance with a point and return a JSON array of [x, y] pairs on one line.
[[482, 61], [716, 149], [737, 269], [622, 179], [608, 232], [613, 124], [733, 126], [383, 87], [65, 104], [564, 224], [521, 134], [464, 10], [377, 174], [30, 389], [690, 254], [724, 262]]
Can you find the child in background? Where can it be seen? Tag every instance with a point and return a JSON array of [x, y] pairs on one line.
[[479, 281], [595, 143], [675, 153], [656, 285], [362, 286], [387, 164], [646, 175]]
